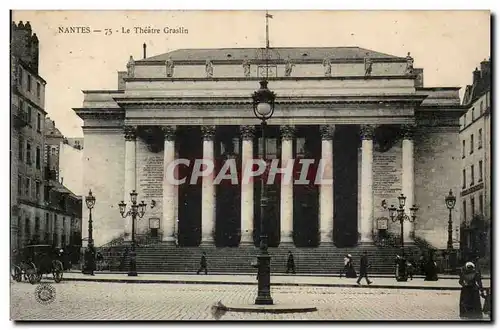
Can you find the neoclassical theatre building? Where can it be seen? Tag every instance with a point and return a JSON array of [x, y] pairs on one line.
[[365, 113]]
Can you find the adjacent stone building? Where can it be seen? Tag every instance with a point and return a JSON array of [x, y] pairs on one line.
[[42, 209], [475, 134], [367, 114]]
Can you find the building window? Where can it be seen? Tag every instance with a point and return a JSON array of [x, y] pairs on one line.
[[38, 122], [21, 148], [463, 148], [480, 171], [37, 190], [29, 115], [27, 231], [29, 83], [471, 143], [472, 204], [472, 175], [21, 105], [27, 187], [481, 205], [28, 153], [480, 138], [472, 114], [19, 185], [53, 151], [464, 207], [481, 108], [463, 179], [38, 89], [38, 157], [20, 76]]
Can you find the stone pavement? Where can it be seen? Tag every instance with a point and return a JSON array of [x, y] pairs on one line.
[[122, 301], [276, 280]]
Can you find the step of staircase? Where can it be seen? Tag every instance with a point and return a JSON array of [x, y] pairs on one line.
[[163, 257]]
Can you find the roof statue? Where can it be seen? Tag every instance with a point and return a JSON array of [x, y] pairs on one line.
[[288, 67], [130, 67], [209, 68], [409, 64], [327, 64], [169, 65], [368, 66], [246, 67]]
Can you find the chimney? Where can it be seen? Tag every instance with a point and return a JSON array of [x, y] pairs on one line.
[[485, 68], [144, 49], [476, 77]]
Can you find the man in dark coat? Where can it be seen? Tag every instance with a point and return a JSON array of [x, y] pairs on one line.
[[290, 263], [363, 269], [203, 264]]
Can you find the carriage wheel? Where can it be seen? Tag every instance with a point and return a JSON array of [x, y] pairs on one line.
[[17, 273], [32, 273], [57, 270]]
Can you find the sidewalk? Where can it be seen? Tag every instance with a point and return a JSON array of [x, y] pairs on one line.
[[276, 280]]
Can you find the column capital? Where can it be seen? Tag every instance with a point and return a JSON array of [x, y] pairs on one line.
[[208, 132], [247, 132], [168, 132], [367, 132], [287, 132], [408, 131], [130, 133], [327, 131]]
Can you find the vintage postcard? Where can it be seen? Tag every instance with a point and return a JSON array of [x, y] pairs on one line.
[[250, 165]]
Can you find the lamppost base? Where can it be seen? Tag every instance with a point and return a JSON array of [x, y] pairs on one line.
[[132, 273], [264, 300]]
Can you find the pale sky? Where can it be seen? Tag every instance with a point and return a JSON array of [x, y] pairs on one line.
[[447, 44]]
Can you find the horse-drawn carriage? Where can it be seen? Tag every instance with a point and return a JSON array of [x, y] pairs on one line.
[[36, 260]]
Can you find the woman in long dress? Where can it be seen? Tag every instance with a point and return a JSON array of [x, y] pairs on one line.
[[470, 301]]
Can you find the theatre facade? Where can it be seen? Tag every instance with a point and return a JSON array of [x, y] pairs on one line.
[[364, 114]]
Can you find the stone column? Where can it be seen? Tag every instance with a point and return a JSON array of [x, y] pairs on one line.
[[286, 203], [366, 220], [326, 195], [169, 188], [407, 180], [247, 199], [208, 189], [130, 174], [176, 201]]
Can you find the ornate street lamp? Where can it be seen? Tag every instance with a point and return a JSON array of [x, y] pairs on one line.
[[90, 201], [135, 211], [88, 267], [263, 108], [399, 214], [450, 204]]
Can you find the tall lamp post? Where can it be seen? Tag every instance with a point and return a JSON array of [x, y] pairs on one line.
[[136, 210], [90, 256], [90, 201], [399, 214], [452, 255], [263, 108], [450, 204]]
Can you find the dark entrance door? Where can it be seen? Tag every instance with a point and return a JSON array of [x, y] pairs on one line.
[[305, 196], [190, 147], [345, 160], [228, 192]]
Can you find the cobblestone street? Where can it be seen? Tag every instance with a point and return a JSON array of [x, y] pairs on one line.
[[116, 301]]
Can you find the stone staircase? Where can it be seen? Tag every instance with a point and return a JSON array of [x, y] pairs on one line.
[[161, 257]]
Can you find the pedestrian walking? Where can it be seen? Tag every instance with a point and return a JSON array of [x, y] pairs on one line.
[[203, 264], [410, 267], [470, 301], [290, 263], [363, 269]]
